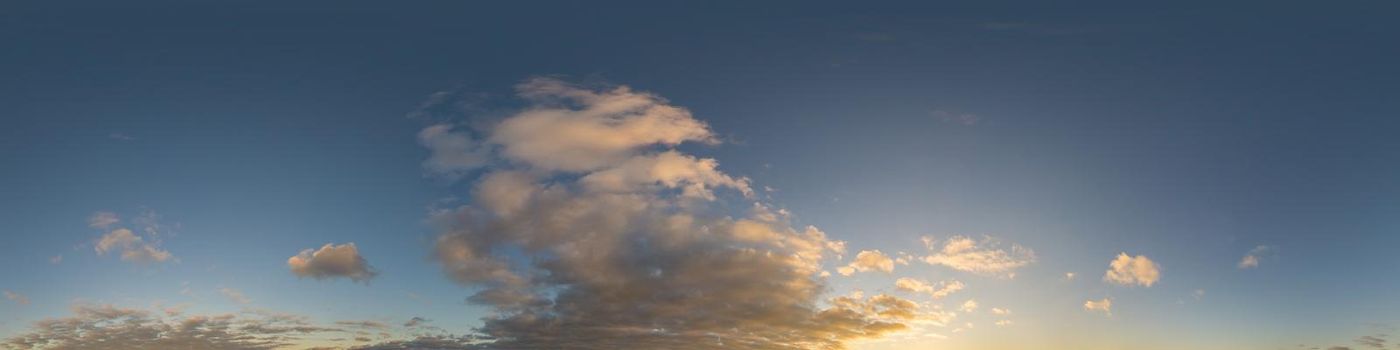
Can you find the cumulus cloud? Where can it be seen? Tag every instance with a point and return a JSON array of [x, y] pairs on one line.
[[1251, 259], [1104, 305], [587, 227], [984, 257], [868, 260], [1132, 270], [1000, 311], [16, 297], [111, 327], [332, 261], [938, 291]]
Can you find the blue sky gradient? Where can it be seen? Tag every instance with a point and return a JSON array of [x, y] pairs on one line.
[[1190, 134]]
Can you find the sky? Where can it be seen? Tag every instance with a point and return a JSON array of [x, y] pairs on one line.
[[699, 175]]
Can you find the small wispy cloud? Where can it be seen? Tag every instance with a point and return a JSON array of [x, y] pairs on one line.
[[1251, 259], [235, 295], [16, 297], [985, 256], [1104, 305], [946, 117]]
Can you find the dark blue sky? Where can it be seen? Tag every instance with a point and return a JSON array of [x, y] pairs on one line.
[[1187, 133]]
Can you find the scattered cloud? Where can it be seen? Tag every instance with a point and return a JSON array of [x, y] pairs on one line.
[[1132, 270], [56, 259], [584, 205], [103, 220], [1000, 311], [1371, 341], [141, 247], [133, 248], [984, 257], [868, 260], [111, 327], [942, 289], [415, 322], [969, 306], [1104, 305], [1069, 276], [1251, 259], [332, 261], [946, 117], [235, 295], [1003, 323], [1198, 294], [374, 325], [453, 153], [16, 297]]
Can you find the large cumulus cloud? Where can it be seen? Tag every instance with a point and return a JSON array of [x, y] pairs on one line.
[[590, 228]]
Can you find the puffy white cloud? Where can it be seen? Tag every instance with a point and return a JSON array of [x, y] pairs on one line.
[[16, 297], [133, 248], [1251, 259], [1069, 276], [1000, 311], [868, 260], [1104, 305], [942, 289], [332, 261], [570, 128], [982, 257], [969, 306], [1132, 270], [1003, 323], [588, 228]]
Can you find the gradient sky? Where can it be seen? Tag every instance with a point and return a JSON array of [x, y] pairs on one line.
[[1243, 157]]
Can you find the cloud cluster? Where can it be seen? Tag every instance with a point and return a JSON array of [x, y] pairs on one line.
[[110, 327], [942, 289], [868, 260], [332, 261], [1132, 270], [590, 229], [141, 248], [984, 257]]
